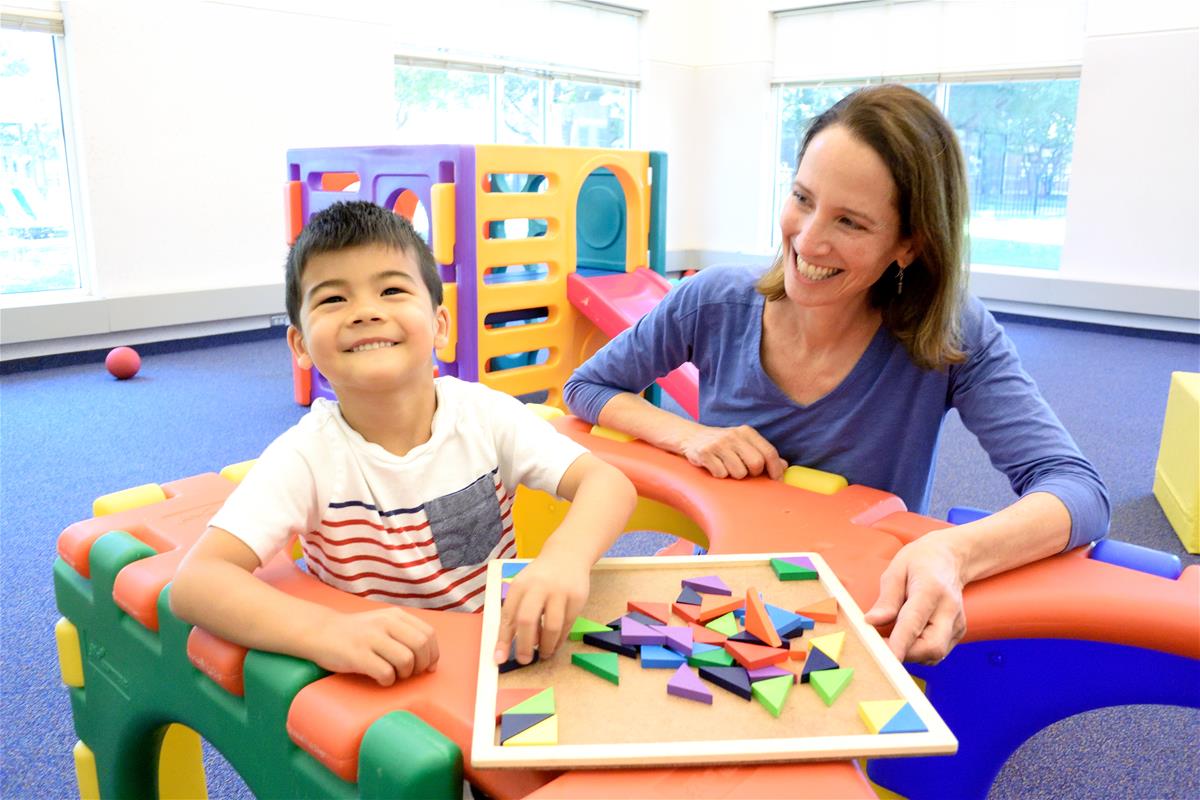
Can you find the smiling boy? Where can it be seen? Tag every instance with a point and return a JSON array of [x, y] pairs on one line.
[[400, 491]]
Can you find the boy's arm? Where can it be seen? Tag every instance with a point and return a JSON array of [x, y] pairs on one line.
[[552, 590], [215, 588]]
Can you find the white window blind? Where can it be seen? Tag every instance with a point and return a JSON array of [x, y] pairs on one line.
[[897, 38], [42, 17]]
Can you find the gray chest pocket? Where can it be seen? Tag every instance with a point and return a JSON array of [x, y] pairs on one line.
[[466, 525]]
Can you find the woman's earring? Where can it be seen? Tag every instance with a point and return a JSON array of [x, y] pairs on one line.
[[899, 280]]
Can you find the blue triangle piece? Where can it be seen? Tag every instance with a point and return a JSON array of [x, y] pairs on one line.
[[512, 724], [611, 642], [815, 662], [656, 656], [510, 569], [785, 621], [689, 597], [732, 679], [905, 721]]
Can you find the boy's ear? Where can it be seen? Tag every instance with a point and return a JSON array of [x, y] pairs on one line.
[[441, 333], [299, 349]]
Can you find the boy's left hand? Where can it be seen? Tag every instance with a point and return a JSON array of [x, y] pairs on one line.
[[542, 603]]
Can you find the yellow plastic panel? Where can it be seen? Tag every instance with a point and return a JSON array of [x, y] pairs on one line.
[[441, 198], [609, 433], [135, 497], [235, 472], [449, 353], [544, 411], [814, 480], [70, 657], [181, 765], [85, 772]]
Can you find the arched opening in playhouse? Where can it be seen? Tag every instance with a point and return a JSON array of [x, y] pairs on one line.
[[407, 204], [601, 224]]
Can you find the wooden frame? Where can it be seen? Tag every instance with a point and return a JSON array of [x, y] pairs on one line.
[[753, 735]]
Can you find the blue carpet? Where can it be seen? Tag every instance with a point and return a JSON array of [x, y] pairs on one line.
[[69, 433]]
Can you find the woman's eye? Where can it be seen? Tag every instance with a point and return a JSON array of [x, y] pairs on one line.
[[849, 223], [801, 197]]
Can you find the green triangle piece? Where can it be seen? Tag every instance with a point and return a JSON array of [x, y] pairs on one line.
[[711, 658], [540, 703], [772, 692], [829, 683], [602, 664], [791, 572], [726, 625], [584, 625]]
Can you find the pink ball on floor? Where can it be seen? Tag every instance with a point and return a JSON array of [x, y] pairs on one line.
[[123, 362]]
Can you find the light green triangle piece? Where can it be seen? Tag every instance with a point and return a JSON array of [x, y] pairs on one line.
[[772, 692], [540, 703], [602, 664], [727, 624], [829, 683], [787, 571], [584, 625], [711, 658]]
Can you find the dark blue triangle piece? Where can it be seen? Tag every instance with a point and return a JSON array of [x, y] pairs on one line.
[[815, 662], [689, 597], [610, 641], [512, 724], [512, 663], [731, 679], [645, 619], [746, 636]]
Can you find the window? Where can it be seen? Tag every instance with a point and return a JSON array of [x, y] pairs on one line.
[[38, 243], [1017, 138]]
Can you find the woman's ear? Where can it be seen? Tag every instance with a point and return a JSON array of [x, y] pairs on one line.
[[299, 349]]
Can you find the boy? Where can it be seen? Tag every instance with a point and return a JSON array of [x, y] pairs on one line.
[[403, 489]]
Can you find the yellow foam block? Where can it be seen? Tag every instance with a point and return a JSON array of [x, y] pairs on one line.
[[609, 433], [1177, 472], [814, 480], [235, 472], [877, 713], [136, 497]]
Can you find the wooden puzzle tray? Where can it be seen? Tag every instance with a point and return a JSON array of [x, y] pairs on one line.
[[636, 722]]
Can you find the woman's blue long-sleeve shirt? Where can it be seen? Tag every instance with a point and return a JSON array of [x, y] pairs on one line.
[[880, 426]]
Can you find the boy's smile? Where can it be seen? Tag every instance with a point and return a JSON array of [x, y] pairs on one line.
[[367, 320]]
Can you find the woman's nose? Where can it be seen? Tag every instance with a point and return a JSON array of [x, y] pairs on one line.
[[812, 239]]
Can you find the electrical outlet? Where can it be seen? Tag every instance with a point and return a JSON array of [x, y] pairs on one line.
[[278, 320]]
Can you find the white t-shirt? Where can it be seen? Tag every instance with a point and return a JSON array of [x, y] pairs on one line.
[[417, 529]]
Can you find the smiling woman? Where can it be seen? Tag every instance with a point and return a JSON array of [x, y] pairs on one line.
[[847, 355]]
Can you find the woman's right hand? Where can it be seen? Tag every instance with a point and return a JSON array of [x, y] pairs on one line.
[[732, 452]]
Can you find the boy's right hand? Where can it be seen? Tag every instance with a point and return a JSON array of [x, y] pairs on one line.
[[386, 644]]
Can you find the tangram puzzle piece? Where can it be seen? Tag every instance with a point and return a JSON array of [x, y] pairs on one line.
[[584, 625], [706, 635], [816, 661], [610, 641], [822, 611], [877, 713], [758, 622], [543, 733], [709, 584], [637, 616], [512, 663], [688, 597], [658, 657], [797, 652], [684, 683], [747, 637], [830, 644], [772, 671], [513, 724], [688, 613], [634, 632], [753, 656], [659, 611], [785, 570], [786, 623], [677, 639], [718, 606], [540, 703], [830, 683], [772, 693], [509, 570], [905, 721], [726, 625], [503, 591], [507, 699], [602, 664], [711, 656], [731, 679]]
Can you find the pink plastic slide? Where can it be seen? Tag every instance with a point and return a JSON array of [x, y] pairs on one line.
[[614, 302]]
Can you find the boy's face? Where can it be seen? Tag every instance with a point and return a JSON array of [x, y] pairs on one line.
[[367, 320]]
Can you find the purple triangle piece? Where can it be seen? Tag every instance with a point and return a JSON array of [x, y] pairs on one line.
[[634, 632], [684, 683], [732, 679], [689, 597], [512, 724], [769, 671], [677, 639], [800, 561], [709, 584]]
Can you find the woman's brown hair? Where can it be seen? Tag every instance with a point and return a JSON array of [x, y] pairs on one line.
[[922, 153]]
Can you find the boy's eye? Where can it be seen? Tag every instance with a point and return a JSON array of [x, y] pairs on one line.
[[393, 290], [333, 298]]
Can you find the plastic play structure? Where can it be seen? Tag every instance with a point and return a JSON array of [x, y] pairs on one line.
[[1111, 624]]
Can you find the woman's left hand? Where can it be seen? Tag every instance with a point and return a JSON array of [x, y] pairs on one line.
[[921, 591]]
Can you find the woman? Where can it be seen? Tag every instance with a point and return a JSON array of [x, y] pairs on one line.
[[846, 355]]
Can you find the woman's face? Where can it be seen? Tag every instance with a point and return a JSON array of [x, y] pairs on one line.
[[841, 228]]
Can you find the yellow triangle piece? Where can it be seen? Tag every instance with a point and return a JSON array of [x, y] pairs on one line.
[[877, 713], [545, 732], [830, 644]]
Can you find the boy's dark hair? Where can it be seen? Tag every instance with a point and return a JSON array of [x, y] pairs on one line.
[[354, 224]]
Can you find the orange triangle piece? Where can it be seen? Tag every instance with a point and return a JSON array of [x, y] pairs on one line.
[[757, 622], [707, 635], [686, 612], [754, 656], [660, 611], [798, 650], [715, 605], [507, 698], [821, 611]]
